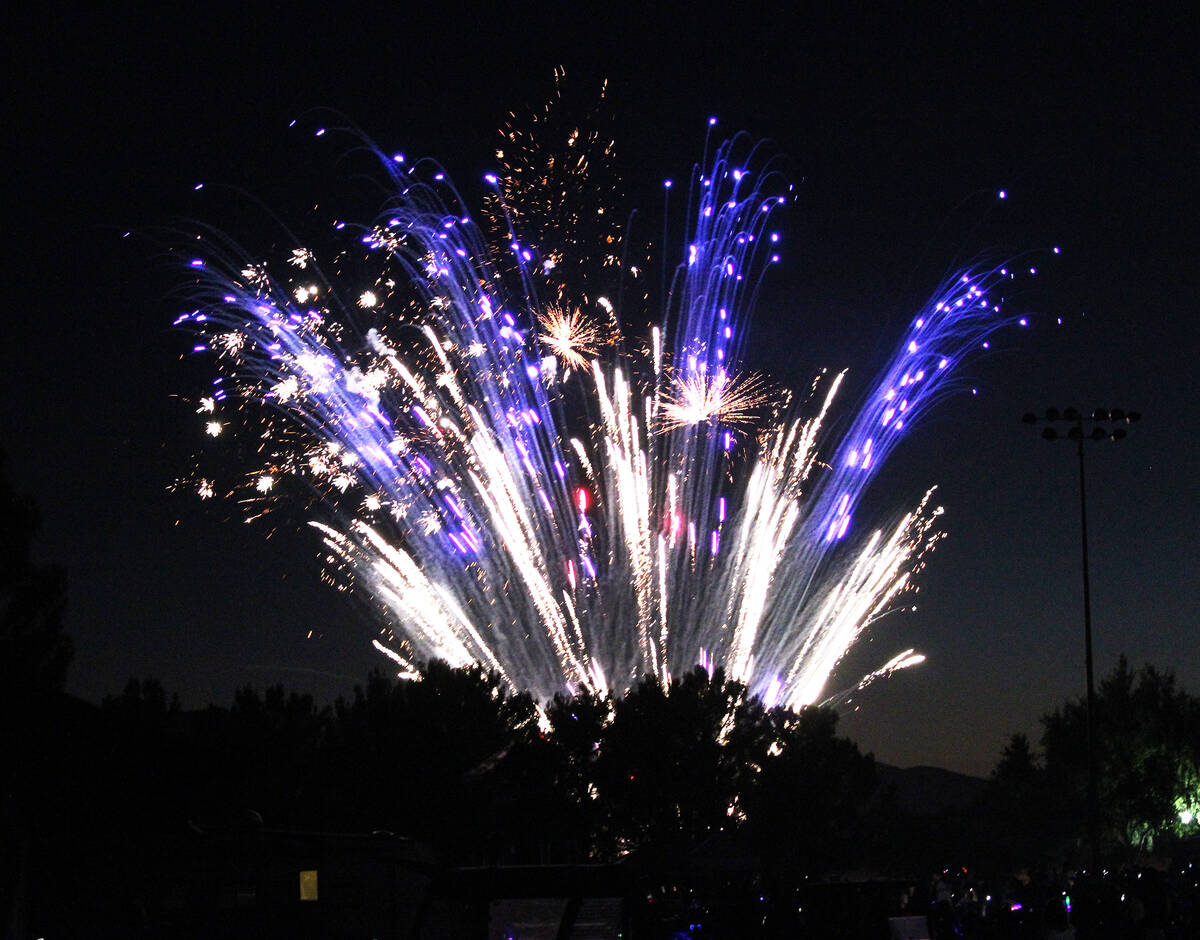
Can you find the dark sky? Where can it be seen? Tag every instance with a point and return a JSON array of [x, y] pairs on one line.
[[899, 127]]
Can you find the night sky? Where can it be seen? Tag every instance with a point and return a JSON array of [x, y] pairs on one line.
[[899, 128]]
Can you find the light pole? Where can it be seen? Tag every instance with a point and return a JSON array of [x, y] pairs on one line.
[[1107, 424]]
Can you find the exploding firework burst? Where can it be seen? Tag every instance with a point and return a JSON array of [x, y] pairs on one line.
[[571, 338], [720, 398], [505, 486]]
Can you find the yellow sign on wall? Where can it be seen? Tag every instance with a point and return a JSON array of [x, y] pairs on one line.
[[308, 886]]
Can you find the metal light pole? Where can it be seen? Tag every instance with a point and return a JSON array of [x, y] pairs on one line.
[[1106, 425]]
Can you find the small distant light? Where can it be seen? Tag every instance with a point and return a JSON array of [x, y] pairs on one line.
[[397, 158], [197, 263], [1056, 249], [490, 178], [439, 176], [667, 184], [1003, 194], [320, 132], [1023, 321], [712, 121], [1033, 270], [197, 187]]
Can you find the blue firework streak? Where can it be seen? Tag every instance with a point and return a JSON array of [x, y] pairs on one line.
[[508, 482]]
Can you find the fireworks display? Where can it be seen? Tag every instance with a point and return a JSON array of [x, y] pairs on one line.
[[508, 480]]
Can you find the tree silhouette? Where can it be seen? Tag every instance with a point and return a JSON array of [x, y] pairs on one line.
[[558, 775], [413, 756], [1020, 813], [1147, 740], [696, 762], [664, 773], [34, 656], [809, 808], [1147, 744], [34, 651]]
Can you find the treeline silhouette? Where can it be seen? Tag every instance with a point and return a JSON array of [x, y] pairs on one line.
[[457, 762], [102, 800], [672, 777]]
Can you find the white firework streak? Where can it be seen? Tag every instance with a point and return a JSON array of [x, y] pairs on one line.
[[768, 519], [566, 548]]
